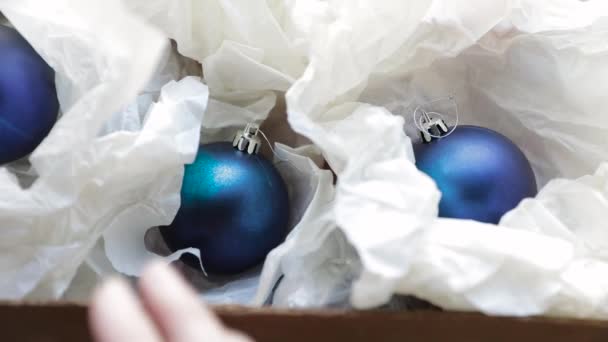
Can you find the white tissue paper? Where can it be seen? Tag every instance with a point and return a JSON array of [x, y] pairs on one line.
[[128, 251], [250, 56], [95, 171], [534, 71]]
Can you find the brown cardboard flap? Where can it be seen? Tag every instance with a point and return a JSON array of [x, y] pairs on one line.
[[54, 322]]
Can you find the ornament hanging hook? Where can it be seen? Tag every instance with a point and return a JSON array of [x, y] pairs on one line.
[[247, 140], [432, 125], [251, 132], [271, 148]]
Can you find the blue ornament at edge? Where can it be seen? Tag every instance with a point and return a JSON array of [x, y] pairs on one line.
[[28, 98], [235, 209], [480, 173]]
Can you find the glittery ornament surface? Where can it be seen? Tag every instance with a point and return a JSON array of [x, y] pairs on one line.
[[28, 99], [235, 209], [480, 173]]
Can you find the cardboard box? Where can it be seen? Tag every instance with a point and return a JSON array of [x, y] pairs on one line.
[[65, 322]]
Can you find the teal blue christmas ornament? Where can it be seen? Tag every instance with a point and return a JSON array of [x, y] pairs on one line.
[[234, 209], [481, 174], [28, 99]]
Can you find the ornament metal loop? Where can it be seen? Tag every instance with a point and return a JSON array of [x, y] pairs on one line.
[[432, 127], [247, 140]]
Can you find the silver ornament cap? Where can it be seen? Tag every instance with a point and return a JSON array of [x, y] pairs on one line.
[[247, 140], [432, 129], [431, 126]]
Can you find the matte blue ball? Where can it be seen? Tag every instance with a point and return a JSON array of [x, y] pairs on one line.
[[28, 99], [480, 173], [235, 209]]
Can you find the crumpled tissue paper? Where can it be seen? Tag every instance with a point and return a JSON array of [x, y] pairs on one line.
[[247, 65], [88, 179], [532, 70]]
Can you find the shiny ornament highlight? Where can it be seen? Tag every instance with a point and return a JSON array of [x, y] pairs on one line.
[[28, 98], [481, 174], [235, 209]]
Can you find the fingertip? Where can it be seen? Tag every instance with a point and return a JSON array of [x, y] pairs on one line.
[[103, 297], [158, 268], [115, 314], [160, 272], [174, 305], [99, 309]]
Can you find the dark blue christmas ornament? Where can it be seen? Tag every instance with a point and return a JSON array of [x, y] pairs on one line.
[[481, 174], [235, 207], [28, 99]]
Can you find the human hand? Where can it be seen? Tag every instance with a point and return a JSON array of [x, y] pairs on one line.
[[168, 310]]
